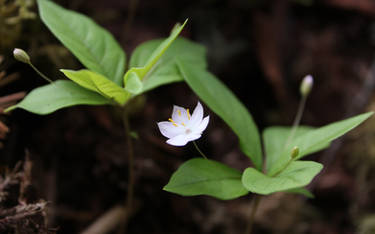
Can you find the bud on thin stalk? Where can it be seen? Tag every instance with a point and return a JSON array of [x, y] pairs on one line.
[[306, 85], [293, 155], [21, 55], [295, 152], [305, 88]]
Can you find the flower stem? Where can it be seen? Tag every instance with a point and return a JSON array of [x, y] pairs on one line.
[[297, 120], [40, 73], [130, 194], [282, 169], [201, 153], [254, 207]]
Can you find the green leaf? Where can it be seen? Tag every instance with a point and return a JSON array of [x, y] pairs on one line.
[[166, 70], [297, 174], [156, 55], [318, 137], [181, 48], [301, 191], [275, 138], [225, 104], [134, 84], [91, 44], [98, 83], [62, 93], [206, 177]]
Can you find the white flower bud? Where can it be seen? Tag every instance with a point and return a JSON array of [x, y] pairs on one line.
[[306, 85], [21, 55]]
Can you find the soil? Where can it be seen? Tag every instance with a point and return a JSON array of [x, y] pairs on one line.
[[61, 172]]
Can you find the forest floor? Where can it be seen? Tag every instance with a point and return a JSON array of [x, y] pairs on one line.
[[61, 172]]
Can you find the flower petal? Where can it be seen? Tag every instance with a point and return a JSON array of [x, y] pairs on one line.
[[179, 115], [202, 126], [167, 129], [179, 140], [192, 137], [197, 115]]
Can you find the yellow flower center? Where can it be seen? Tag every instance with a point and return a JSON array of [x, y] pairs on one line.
[[182, 123], [173, 122]]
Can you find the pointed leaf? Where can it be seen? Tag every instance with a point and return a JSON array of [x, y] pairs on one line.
[[156, 55], [317, 137], [206, 177], [91, 44], [275, 138], [225, 104], [297, 174], [166, 70], [62, 93], [98, 83]]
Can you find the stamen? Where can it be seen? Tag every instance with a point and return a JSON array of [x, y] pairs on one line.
[[173, 122], [179, 112], [188, 113], [183, 124]]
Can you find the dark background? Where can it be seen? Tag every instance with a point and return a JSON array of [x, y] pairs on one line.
[[261, 50]]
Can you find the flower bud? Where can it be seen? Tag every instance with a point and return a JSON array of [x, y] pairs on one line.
[[21, 55], [306, 85], [295, 152]]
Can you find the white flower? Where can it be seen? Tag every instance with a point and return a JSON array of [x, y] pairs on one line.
[[183, 127]]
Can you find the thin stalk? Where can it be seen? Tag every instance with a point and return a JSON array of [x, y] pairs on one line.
[[297, 120], [108, 221], [282, 169], [201, 153], [129, 21], [40, 73], [130, 194], [254, 207]]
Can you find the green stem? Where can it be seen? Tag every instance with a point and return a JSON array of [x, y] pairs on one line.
[[201, 153], [40, 73], [254, 207], [297, 120], [282, 169], [130, 194]]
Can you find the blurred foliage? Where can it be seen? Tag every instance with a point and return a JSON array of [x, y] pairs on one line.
[[361, 162], [363, 150], [367, 225], [12, 13]]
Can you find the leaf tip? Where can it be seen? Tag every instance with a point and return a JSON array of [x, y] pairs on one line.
[[66, 70], [366, 115], [166, 188], [9, 109]]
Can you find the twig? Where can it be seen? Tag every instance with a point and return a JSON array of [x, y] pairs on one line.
[[4, 80], [108, 221], [12, 97]]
